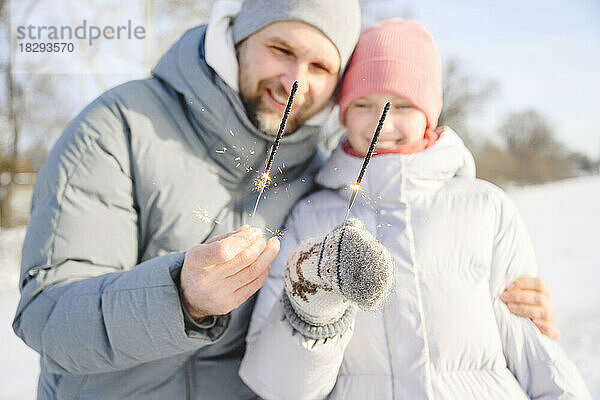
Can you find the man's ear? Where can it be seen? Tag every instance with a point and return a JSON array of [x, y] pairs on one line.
[[238, 48]]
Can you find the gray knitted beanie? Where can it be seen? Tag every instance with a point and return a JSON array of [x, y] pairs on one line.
[[338, 20]]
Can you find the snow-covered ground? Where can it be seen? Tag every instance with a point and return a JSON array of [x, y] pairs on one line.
[[562, 218], [18, 363]]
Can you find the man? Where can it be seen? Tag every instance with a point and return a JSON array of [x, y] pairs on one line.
[[111, 299]]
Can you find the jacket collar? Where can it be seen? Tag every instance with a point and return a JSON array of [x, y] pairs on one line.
[[219, 117], [398, 178]]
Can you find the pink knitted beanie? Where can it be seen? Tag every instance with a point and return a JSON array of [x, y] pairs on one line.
[[400, 57]]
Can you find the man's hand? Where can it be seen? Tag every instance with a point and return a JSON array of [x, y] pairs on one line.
[[531, 298], [219, 275]]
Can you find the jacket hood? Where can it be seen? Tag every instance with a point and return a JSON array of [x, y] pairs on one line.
[[393, 178], [218, 115]]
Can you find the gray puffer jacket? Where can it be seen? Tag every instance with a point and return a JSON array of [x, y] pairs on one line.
[[116, 204]]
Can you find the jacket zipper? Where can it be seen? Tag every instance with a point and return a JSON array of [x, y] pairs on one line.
[[190, 378]]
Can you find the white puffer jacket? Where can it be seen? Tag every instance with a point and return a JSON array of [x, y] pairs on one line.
[[444, 333]]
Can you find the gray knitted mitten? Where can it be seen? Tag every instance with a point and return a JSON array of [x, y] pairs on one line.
[[327, 276]]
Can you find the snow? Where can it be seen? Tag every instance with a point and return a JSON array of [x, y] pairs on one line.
[[18, 363], [562, 219]]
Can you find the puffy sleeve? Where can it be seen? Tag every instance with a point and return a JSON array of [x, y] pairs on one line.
[[538, 363], [279, 362], [87, 305]]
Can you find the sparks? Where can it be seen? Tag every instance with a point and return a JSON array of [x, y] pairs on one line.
[[355, 187], [276, 233], [202, 215], [262, 182]]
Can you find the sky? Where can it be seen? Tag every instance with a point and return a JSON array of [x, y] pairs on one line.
[[544, 55]]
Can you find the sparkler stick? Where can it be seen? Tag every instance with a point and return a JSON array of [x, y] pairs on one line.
[[356, 186], [265, 177]]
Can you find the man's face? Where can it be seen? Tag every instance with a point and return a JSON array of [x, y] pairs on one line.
[[272, 59]]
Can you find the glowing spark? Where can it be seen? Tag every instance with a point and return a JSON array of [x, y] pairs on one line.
[[230, 131], [238, 164], [223, 150], [276, 233], [280, 171], [202, 215], [355, 187], [261, 182]]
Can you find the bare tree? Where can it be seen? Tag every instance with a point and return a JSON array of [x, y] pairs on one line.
[[464, 95], [10, 106], [536, 155], [170, 19]]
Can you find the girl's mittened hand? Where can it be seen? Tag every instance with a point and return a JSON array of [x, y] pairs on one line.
[[328, 274]]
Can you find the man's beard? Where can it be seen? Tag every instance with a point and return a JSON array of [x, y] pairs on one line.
[[265, 118]]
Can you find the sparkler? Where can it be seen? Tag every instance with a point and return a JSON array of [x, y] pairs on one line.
[[264, 179], [356, 187]]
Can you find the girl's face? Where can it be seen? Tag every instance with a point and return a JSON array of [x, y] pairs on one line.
[[404, 123]]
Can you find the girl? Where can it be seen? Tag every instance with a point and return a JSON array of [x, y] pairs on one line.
[[455, 242]]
